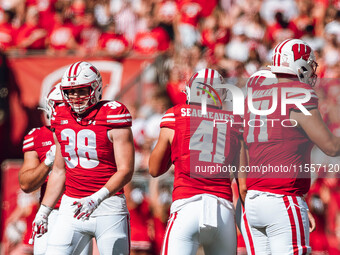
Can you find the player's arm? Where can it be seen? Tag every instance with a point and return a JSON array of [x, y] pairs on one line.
[[160, 158], [55, 188], [312, 224], [318, 132], [124, 152], [242, 174], [32, 173], [56, 180]]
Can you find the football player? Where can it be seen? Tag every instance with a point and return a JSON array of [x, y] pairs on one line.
[[274, 204], [94, 160], [202, 212], [39, 152]]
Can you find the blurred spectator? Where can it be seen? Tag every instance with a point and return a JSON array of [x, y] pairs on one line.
[[187, 23], [140, 220], [331, 51], [333, 28], [238, 47], [255, 27], [46, 11], [214, 30], [160, 202], [333, 216], [152, 41], [77, 15], [160, 103], [318, 205], [126, 21], [31, 35], [197, 60], [102, 12], [62, 36], [18, 224], [113, 44], [7, 31], [269, 8], [166, 11], [281, 29], [176, 86], [313, 41], [304, 18], [254, 61], [89, 34], [18, 7]]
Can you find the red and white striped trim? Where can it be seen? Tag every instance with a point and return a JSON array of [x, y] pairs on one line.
[[299, 95], [248, 233], [28, 143], [167, 117], [119, 121], [212, 77], [298, 217], [277, 53], [119, 118], [298, 234], [167, 233], [192, 79], [206, 77], [72, 73], [169, 114]]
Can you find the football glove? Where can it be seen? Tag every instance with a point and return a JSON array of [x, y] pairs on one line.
[[39, 226], [50, 156], [85, 206]]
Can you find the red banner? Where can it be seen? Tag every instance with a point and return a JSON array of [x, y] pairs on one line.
[[36, 75]]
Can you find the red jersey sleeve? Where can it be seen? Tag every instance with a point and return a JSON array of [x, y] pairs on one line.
[[29, 141], [117, 115], [168, 119], [312, 102]]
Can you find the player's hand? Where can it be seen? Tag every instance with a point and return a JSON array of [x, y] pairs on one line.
[[50, 155], [39, 226], [85, 206], [311, 220]]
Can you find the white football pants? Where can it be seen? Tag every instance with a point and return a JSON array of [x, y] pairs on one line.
[[243, 225], [201, 220], [70, 236], [279, 224], [40, 243]]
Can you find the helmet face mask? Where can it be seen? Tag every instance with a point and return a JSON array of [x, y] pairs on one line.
[[80, 98], [81, 86], [295, 57], [203, 84]]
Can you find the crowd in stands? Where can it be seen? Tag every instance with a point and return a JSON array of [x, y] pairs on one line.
[[235, 37]]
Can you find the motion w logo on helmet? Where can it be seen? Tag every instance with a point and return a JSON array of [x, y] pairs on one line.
[[301, 51]]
